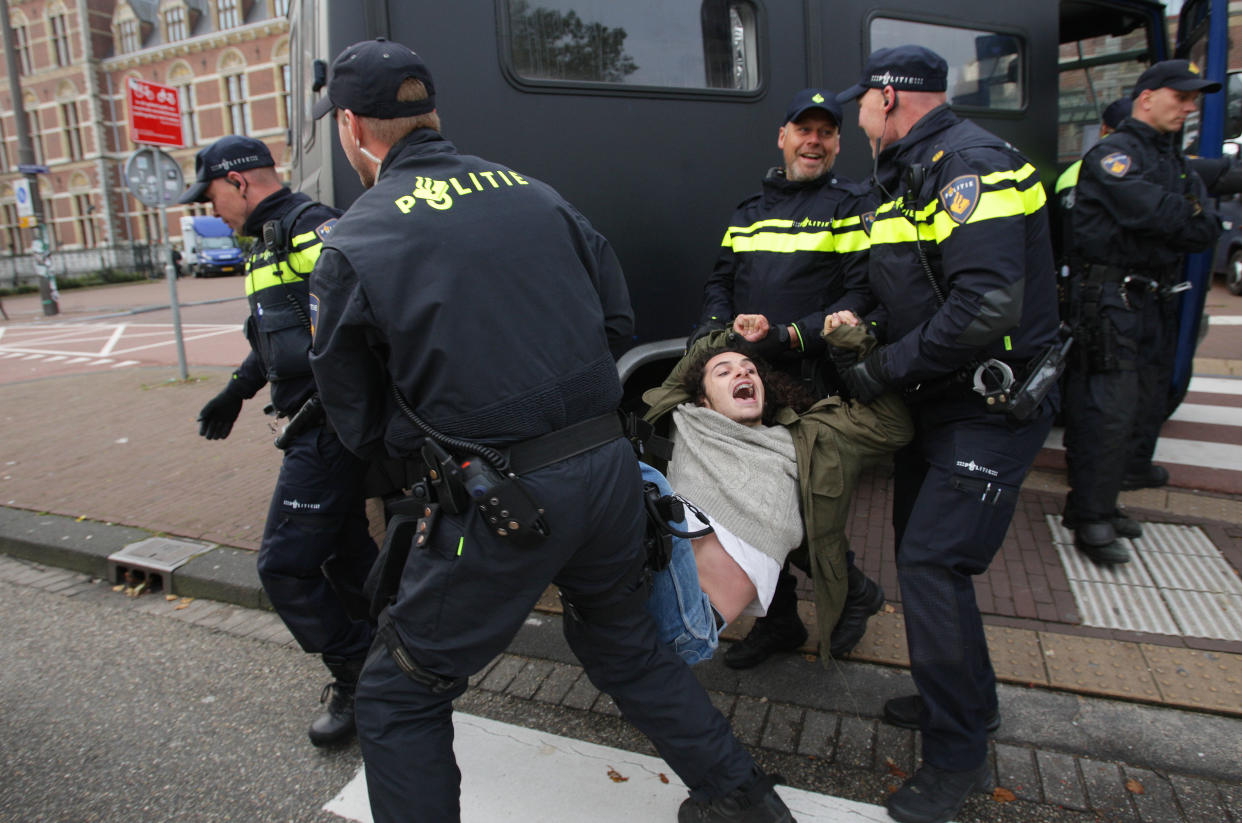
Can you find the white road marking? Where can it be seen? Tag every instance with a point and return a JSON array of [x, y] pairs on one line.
[[1216, 385], [112, 341], [1201, 413], [1176, 450], [516, 774]]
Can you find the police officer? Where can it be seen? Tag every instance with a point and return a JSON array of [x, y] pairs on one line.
[[463, 304], [1064, 189], [961, 265], [780, 259], [1139, 207], [317, 547]]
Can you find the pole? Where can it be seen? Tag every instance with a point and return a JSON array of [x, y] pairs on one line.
[[170, 270], [42, 245]]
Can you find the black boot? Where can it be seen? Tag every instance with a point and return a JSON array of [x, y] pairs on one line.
[[1150, 476], [1098, 541], [935, 795], [780, 630], [336, 723], [864, 599], [1123, 524], [754, 802]]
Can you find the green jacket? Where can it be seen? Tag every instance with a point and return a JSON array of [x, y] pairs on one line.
[[834, 440]]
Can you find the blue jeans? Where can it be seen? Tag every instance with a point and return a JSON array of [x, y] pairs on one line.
[[680, 607]]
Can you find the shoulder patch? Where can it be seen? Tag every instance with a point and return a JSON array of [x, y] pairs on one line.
[[960, 197], [1116, 164], [314, 312], [867, 219], [325, 228]]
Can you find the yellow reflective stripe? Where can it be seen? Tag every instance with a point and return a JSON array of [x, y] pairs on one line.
[[785, 243], [303, 260], [305, 237], [854, 240], [735, 233], [993, 205], [1017, 175], [264, 277], [897, 229]]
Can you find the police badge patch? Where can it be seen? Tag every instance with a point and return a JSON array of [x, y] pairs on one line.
[[960, 197], [325, 229], [314, 311], [867, 220], [1116, 164]]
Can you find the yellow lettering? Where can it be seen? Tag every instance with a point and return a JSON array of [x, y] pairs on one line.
[[405, 203], [508, 182], [490, 178], [457, 187], [475, 180], [517, 177]]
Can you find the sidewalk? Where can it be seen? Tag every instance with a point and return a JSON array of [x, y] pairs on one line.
[[93, 462]]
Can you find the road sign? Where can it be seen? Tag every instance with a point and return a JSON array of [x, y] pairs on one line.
[[154, 177], [154, 113], [25, 203], [32, 168]]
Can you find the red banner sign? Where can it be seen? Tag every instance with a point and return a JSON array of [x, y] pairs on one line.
[[154, 113]]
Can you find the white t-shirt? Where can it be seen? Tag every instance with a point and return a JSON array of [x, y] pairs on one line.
[[762, 570]]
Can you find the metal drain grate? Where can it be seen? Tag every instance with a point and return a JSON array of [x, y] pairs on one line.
[[152, 560], [1177, 583]]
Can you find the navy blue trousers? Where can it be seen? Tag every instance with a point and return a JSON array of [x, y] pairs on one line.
[[955, 489], [467, 592], [318, 516]]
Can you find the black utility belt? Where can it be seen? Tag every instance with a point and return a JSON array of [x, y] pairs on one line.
[[1103, 273]]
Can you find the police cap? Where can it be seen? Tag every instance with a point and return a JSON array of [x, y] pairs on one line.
[[1179, 75], [366, 76], [232, 153], [808, 99], [1116, 111], [905, 68]]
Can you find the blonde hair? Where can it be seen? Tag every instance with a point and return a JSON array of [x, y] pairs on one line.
[[389, 130]]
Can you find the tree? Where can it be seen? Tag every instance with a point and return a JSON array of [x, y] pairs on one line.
[[559, 45]]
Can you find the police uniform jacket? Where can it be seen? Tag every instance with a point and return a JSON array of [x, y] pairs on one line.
[[979, 214], [483, 295], [1138, 204], [780, 258], [277, 289], [833, 441]]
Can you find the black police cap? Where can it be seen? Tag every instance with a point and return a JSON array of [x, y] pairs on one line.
[[808, 99], [1180, 75], [366, 76], [1117, 111], [905, 68], [232, 153]]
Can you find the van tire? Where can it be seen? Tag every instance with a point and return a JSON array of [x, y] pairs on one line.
[[1233, 272]]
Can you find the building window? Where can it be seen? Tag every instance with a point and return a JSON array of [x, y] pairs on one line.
[[236, 104], [286, 77], [11, 230], [129, 36], [4, 149], [21, 40], [73, 134], [60, 39], [229, 18], [189, 115], [86, 223], [280, 8], [36, 136], [174, 22]]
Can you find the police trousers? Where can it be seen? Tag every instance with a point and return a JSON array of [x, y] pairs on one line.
[[955, 489], [317, 545], [465, 594], [1113, 416]]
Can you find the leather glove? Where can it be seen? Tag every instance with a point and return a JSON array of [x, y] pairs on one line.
[[217, 417], [771, 348], [705, 328], [864, 379]]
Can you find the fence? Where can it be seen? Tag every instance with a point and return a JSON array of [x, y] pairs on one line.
[[67, 265]]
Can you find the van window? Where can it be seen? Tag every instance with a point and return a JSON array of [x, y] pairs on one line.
[[985, 68], [679, 44]]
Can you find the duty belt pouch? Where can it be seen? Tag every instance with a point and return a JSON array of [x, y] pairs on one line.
[[405, 531], [510, 512]]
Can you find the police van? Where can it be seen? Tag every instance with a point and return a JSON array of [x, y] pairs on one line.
[[656, 117]]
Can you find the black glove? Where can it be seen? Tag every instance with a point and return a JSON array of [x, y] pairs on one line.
[[705, 328], [864, 379], [217, 417], [771, 348]]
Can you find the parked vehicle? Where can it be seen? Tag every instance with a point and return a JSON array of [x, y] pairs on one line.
[[209, 247]]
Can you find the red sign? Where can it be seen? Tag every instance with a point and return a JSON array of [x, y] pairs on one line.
[[154, 113]]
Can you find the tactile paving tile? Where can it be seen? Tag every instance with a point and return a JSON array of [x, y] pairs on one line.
[[1133, 608], [1097, 665], [884, 642], [1194, 572], [1176, 539], [1079, 567], [1016, 655], [1206, 614], [1198, 679]]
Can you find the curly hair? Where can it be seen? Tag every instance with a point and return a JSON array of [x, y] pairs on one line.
[[779, 389]]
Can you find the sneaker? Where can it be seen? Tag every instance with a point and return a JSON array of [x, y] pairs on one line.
[[1123, 524], [1098, 541], [905, 712], [936, 795], [768, 636], [756, 803], [1151, 477], [865, 598]]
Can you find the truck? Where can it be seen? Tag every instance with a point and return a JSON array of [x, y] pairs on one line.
[[209, 247], [656, 117]]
